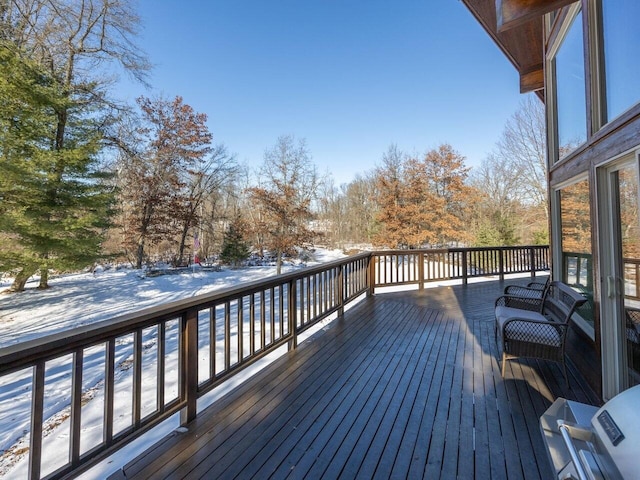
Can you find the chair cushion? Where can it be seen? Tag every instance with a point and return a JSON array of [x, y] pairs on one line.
[[543, 334]]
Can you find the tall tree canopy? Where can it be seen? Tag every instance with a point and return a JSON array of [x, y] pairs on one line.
[[75, 44], [422, 201]]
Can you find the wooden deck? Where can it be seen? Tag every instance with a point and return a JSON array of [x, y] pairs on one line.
[[405, 385]]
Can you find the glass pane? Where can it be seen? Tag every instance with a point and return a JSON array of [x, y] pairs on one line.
[[621, 49], [577, 262], [627, 180], [570, 90]]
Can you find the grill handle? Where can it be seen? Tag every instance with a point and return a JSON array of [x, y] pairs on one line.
[[566, 436]]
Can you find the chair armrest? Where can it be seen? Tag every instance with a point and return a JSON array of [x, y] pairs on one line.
[[518, 291], [543, 332], [537, 285], [523, 303]]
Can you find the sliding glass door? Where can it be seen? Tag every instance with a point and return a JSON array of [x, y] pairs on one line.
[[620, 265]]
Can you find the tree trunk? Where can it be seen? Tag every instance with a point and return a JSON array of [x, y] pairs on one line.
[[21, 279], [140, 254], [183, 241], [278, 262], [44, 278]]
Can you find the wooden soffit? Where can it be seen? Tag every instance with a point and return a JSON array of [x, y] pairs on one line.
[[522, 43], [511, 13]]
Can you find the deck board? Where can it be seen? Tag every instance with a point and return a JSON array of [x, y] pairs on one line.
[[405, 385]]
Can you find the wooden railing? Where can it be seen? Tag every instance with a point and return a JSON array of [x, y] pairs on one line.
[[406, 267], [632, 278], [577, 270], [158, 362]]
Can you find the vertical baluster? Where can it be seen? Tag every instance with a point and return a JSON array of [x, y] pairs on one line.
[[109, 384], [37, 406], [137, 377], [263, 321], [160, 377], [272, 314], [252, 324], [308, 296], [281, 309], [322, 294], [213, 350], [76, 407], [240, 319], [227, 335], [319, 299]]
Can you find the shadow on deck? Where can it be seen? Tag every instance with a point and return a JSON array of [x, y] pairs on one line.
[[405, 385]]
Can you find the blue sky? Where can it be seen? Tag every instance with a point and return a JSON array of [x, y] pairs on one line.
[[349, 76]]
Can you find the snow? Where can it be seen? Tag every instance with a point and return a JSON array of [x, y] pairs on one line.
[[81, 299]]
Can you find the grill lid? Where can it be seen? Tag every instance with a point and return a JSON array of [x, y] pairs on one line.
[[586, 442], [617, 431]]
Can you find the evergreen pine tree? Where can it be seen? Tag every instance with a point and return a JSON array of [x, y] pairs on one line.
[[55, 204], [234, 247]]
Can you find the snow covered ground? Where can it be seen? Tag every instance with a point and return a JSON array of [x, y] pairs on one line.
[[81, 299]]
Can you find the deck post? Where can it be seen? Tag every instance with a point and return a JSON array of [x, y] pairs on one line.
[[189, 365], [340, 287], [421, 270], [532, 261], [371, 275], [501, 253], [292, 315], [465, 279]]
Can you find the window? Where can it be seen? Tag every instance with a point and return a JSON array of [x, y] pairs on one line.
[[620, 49], [569, 82], [577, 261]]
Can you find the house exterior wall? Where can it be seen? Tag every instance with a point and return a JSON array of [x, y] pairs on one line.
[[594, 346]]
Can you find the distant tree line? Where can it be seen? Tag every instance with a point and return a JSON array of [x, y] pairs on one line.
[[84, 178], [435, 200]]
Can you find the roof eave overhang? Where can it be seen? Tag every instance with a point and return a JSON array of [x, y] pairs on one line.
[[517, 29]]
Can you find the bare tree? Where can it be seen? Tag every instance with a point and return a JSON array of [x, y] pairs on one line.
[[168, 149], [513, 180], [289, 184], [523, 147], [390, 184], [206, 178]]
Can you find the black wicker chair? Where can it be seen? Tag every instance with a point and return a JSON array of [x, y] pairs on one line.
[[533, 289], [529, 326]]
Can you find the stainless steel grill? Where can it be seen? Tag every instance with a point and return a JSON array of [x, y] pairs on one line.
[[586, 442]]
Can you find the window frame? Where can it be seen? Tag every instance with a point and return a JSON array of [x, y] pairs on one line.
[[564, 24], [556, 208]]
